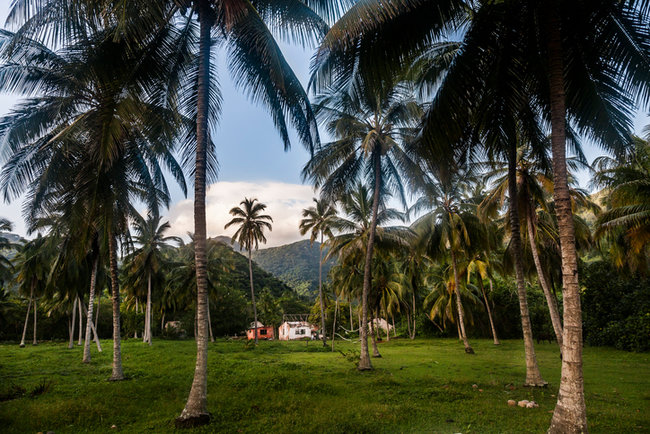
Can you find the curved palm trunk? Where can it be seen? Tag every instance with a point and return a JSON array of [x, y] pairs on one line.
[[135, 333], [250, 275], [550, 299], [73, 322], [35, 341], [29, 307], [570, 415], [195, 411], [336, 308], [320, 292], [414, 319], [351, 317], [117, 373], [364, 360], [94, 332], [533, 376], [373, 336], [459, 306], [81, 321], [99, 299], [489, 311], [148, 331], [89, 318]]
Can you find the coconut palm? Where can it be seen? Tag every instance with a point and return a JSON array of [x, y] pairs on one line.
[[250, 232], [318, 220], [106, 147], [449, 228], [6, 267], [33, 263], [596, 93], [371, 127], [626, 224], [146, 262]]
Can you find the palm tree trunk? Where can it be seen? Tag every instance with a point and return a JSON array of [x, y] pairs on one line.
[[375, 350], [135, 332], [394, 329], [81, 321], [351, 317], [94, 332], [210, 324], [29, 306], [408, 322], [413, 335], [149, 309], [489, 312], [364, 360], [91, 302], [550, 299], [459, 305], [35, 341], [117, 373], [196, 411], [250, 275], [99, 298], [533, 376], [336, 308], [73, 322], [320, 291], [570, 415]]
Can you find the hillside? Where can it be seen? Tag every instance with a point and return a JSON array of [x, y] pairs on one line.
[[295, 264]]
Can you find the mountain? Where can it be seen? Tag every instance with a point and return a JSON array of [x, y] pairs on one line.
[[296, 264]]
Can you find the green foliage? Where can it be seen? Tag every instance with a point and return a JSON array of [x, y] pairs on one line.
[[296, 264], [616, 308]]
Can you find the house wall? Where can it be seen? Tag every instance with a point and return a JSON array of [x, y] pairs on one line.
[[291, 332]]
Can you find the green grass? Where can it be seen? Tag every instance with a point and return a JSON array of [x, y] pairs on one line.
[[418, 386]]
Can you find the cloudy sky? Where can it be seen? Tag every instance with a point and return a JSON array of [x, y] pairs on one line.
[[252, 164]]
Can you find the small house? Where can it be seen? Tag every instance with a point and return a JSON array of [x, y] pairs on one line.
[[291, 330], [263, 332]]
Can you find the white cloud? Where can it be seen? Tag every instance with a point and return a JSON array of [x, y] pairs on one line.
[[284, 201]]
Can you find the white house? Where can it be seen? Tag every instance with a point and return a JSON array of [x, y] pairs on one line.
[[290, 330]]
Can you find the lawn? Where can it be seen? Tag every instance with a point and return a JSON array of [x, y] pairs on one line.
[[418, 386]]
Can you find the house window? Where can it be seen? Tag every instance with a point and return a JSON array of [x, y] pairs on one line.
[[263, 332], [300, 331]]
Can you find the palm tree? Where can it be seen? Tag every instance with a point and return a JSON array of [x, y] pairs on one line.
[[107, 147], [449, 228], [371, 127], [544, 40], [6, 267], [33, 263], [146, 262], [351, 245], [626, 222], [319, 219], [249, 234]]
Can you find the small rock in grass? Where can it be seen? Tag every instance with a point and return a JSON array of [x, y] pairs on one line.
[[480, 390], [532, 404], [512, 402], [523, 403], [475, 386], [113, 426]]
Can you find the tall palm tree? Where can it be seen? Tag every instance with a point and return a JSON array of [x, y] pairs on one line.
[[106, 147], [250, 232], [449, 228], [371, 127], [351, 245], [33, 263], [626, 222], [145, 263], [597, 93], [6, 267], [319, 220]]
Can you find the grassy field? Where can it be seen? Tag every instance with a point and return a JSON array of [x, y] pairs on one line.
[[418, 386]]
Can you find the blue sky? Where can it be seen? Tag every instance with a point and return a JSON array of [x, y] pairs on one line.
[[251, 160]]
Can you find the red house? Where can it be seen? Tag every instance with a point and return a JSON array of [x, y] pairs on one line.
[[263, 332]]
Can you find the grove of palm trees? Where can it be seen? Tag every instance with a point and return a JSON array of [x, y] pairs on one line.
[[477, 251]]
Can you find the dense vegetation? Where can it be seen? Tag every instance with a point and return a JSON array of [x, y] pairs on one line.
[[296, 264], [477, 139]]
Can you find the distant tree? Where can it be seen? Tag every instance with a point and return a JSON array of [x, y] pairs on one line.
[[249, 234], [319, 220]]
